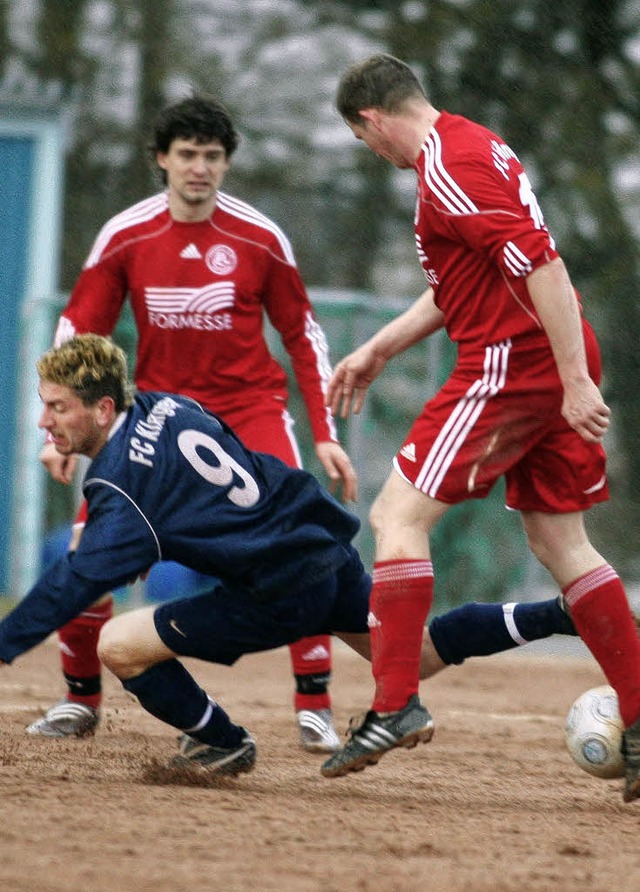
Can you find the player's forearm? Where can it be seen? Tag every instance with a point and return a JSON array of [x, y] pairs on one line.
[[57, 597], [418, 322], [555, 302], [308, 373]]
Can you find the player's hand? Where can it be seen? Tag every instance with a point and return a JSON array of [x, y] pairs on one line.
[[339, 469], [351, 378], [585, 410], [61, 467]]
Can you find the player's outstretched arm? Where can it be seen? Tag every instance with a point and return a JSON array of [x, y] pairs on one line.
[[354, 374], [338, 468]]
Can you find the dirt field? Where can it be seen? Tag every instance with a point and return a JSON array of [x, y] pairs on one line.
[[493, 803]]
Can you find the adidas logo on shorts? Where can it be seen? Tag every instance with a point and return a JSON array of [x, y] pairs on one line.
[[409, 451]]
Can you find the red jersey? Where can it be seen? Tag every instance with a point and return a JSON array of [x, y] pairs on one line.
[[479, 232], [199, 292]]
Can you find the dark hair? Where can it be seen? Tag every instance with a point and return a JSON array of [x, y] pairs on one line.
[[380, 81], [201, 118]]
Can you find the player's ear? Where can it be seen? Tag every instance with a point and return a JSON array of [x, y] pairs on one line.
[[372, 116], [105, 411]]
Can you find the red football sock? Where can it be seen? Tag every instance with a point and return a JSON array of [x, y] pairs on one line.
[[400, 600], [311, 663], [78, 642], [601, 614]]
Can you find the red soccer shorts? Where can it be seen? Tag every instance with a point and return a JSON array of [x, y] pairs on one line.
[[266, 426], [499, 414]]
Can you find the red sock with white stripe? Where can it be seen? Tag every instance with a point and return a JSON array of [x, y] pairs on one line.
[[601, 614], [401, 598], [311, 663], [78, 642]]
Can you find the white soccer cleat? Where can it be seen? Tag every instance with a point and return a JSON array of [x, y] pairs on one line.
[[66, 719], [317, 734]]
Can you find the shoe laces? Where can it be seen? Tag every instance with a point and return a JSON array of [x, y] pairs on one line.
[[357, 723]]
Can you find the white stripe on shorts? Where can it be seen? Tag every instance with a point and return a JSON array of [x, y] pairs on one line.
[[461, 421]]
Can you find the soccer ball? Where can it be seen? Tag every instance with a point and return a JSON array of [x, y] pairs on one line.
[[593, 733]]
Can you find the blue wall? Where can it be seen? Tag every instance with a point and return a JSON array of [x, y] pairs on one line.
[[16, 164]]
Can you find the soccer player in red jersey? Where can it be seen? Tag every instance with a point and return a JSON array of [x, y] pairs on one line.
[[522, 401], [202, 269]]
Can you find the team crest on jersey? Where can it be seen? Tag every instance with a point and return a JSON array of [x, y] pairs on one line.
[[221, 260]]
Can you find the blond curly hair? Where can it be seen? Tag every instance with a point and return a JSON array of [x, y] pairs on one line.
[[90, 365]]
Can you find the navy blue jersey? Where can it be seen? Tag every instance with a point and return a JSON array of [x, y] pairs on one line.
[[173, 482]]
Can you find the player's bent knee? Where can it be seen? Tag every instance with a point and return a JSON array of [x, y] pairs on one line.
[[129, 644], [384, 515], [114, 650], [121, 646]]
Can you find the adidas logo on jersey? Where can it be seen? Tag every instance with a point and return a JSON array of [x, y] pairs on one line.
[[409, 451], [191, 252], [319, 652]]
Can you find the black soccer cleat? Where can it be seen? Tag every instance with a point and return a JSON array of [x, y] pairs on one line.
[[376, 734], [222, 760]]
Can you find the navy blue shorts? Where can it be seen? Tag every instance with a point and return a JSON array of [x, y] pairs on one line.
[[219, 626]]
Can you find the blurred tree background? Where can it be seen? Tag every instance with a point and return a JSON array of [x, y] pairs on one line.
[[560, 82]]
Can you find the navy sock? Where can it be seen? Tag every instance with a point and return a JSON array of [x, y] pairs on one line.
[[478, 630], [172, 695], [539, 619]]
